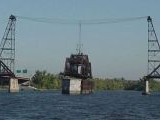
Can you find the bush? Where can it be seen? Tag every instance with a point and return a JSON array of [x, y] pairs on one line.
[[44, 80]]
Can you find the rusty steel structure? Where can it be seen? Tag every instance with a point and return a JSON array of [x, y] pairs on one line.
[[78, 66], [77, 72]]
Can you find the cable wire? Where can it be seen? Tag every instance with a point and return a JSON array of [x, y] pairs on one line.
[[91, 21]]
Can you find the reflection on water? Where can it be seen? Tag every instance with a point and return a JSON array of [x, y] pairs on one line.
[[107, 105]]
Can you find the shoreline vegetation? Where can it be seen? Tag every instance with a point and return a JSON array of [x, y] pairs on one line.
[[44, 80]]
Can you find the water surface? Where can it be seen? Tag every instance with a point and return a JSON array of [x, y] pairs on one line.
[[106, 105]]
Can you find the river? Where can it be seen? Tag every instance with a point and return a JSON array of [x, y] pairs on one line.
[[106, 105]]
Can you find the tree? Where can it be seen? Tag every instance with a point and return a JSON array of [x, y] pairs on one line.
[[45, 80]]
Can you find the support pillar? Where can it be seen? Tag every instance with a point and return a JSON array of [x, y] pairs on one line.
[[146, 92], [13, 85], [147, 87]]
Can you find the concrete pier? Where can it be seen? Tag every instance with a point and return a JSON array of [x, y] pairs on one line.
[[147, 87], [71, 86], [146, 92], [76, 86], [13, 85], [87, 86]]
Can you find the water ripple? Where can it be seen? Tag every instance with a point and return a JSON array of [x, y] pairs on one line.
[[106, 105]]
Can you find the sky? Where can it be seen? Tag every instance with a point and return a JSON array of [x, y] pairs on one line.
[[115, 50]]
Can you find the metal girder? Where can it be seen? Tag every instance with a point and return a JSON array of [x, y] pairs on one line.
[[5, 71]]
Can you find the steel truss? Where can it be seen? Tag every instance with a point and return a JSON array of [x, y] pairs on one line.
[[153, 52], [7, 46]]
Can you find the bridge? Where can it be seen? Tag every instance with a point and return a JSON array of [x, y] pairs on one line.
[[7, 58], [7, 50]]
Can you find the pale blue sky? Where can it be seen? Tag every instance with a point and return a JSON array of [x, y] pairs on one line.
[[115, 50]]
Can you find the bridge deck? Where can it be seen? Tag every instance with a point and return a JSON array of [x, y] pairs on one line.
[[5, 80]]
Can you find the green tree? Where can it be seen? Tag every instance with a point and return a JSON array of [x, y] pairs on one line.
[[45, 80]]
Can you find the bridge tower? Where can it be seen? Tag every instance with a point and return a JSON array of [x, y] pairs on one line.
[[153, 71], [7, 55], [7, 45]]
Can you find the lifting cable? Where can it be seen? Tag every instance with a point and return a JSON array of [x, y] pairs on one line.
[[89, 21]]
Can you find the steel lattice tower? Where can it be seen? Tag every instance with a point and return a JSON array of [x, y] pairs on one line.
[[153, 52], [7, 46]]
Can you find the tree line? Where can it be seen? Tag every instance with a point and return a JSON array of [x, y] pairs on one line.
[[44, 80]]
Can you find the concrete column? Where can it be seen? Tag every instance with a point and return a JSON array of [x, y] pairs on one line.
[[71, 86], [147, 87], [13, 85], [146, 91]]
